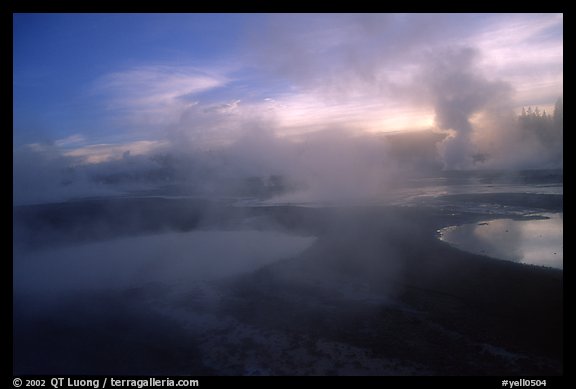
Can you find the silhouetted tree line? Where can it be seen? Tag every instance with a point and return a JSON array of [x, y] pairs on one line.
[[546, 128]]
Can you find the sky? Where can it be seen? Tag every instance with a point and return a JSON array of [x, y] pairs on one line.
[[95, 88], [117, 78]]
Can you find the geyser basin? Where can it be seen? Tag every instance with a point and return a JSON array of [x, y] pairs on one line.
[[173, 258], [536, 241]]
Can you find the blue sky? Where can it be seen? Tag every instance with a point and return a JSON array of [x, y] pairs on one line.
[[58, 59], [94, 85]]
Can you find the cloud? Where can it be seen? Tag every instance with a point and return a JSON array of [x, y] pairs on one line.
[[358, 70], [309, 112], [356, 55], [70, 140], [527, 51], [521, 39], [156, 94], [223, 108], [310, 91], [107, 152]]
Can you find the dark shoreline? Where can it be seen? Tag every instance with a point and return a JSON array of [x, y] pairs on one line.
[[376, 280]]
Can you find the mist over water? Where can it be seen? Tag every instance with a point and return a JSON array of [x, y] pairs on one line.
[[173, 259]]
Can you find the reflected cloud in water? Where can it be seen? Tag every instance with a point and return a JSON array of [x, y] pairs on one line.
[[537, 242]]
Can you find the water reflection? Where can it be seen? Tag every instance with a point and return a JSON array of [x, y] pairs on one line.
[[537, 242]]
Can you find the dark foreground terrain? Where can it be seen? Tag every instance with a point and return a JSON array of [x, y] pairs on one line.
[[376, 294]]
